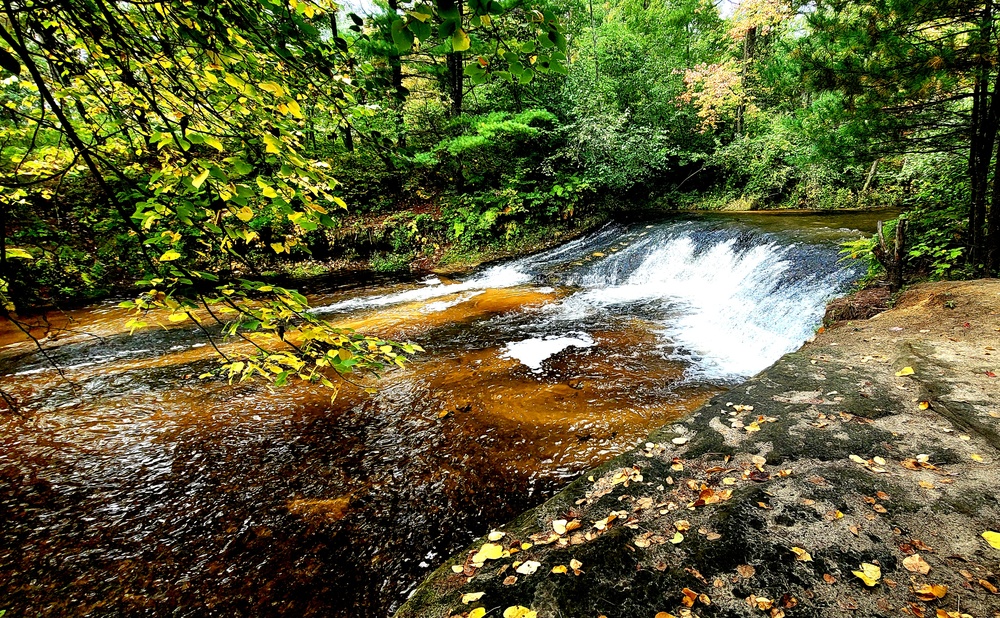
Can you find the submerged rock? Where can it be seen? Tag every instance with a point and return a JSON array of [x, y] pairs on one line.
[[809, 490]]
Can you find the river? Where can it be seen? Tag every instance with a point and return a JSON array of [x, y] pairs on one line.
[[129, 487]]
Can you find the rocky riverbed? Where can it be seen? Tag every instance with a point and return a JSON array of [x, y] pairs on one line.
[[855, 477]]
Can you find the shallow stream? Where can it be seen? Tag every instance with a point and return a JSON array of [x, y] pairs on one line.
[[128, 487]]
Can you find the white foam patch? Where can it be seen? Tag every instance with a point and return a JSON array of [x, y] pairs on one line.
[[532, 352], [441, 305], [504, 276]]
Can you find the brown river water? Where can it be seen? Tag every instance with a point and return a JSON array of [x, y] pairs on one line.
[[129, 487]]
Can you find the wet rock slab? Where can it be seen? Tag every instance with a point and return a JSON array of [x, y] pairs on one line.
[[766, 500]]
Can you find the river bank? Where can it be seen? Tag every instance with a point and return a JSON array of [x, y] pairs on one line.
[[872, 449]]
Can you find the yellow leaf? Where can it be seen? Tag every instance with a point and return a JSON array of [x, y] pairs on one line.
[[272, 144], [269, 192], [200, 179], [993, 538], [869, 573], [213, 141], [273, 88], [460, 41], [18, 253], [924, 405], [177, 317], [801, 555], [575, 564], [169, 256], [479, 612], [472, 597], [976, 457], [278, 247], [905, 371], [245, 213], [677, 538], [559, 525], [293, 106], [496, 535], [518, 611], [560, 569], [489, 551]]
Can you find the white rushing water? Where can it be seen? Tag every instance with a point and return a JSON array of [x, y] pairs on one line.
[[727, 299]]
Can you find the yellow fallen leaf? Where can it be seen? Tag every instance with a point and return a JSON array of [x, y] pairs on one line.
[[518, 611], [924, 405], [528, 567], [677, 538], [976, 457], [905, 371], [682, 525], [472, 597], [801, 555], [559, 525], [496, 535], [489, 551], [664, 615], [993, 538], [869, 573], [560, 569], [457, 568], [575, 564], [929, 592], [927, 484], [479, 612]]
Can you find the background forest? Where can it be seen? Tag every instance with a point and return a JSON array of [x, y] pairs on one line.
[[193, 151]]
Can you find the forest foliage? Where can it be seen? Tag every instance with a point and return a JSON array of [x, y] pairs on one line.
[[190, 149]]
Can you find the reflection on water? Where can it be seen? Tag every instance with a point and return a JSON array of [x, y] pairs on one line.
[[133, 488]]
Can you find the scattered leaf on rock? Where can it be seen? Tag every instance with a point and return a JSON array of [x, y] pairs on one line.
[[916, 564], [677, 538], [559, 525], [993, 538], [989, 586], [489, 551], [518, 611], [510, 580], [479, 612], [746, 571], [801, 555], [561, 568], [929, 592], [496, 535], [472, 597], [869, 574], [528, 567], [905, 371]]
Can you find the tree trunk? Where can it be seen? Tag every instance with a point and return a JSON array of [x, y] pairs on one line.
[[870, 178], [891, 258], [456, 85]]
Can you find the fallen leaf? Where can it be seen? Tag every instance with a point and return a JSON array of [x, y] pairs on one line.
[[489, 551], [664, 615], [559, 525], [518, 611], [977, 457], [690, 596], [801, 555], [510, 580], [677, 538], [681, 440], [927, 484], [496, 535], [916, 564], [993, 538], [985, 584], [830, 579], [560, 569], [576, 565], [929, 592], [479, 612], [472, 597], [746, 571], [528, 567], [905, 371], [869, 574], [682, 525], [457, 568]]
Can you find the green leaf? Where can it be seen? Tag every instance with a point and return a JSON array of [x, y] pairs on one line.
[[170, 256], [401, 37], [272, 144]]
